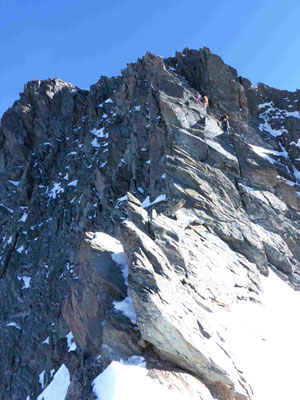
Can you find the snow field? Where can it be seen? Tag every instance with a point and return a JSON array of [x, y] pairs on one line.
[[263, 339], [129, 380]]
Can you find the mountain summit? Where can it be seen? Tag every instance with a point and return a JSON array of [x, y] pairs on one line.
[[139, 232]]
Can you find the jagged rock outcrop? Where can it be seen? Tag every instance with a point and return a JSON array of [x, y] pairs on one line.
[[200, 214]]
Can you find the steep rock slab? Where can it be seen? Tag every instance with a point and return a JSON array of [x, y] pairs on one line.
[[182, 332]]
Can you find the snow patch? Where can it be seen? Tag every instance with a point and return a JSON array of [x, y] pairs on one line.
[[73, 183], [147, 202], [296, 144], [42, 379], [95, 143], [23, 218], [128, 380], [7, 208], [124, 198], [26, 280], [15, 183], [55, 190], [46, 341], [108, 242], [57, 389], [14, 325], [20, 249], [71, 343], [99, 133]]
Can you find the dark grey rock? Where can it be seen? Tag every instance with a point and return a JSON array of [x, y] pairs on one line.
[[76, 162]]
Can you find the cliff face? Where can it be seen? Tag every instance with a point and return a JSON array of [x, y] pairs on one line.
[[202, 216]]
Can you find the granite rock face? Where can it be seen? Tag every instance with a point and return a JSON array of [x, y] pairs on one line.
[[138, 162]]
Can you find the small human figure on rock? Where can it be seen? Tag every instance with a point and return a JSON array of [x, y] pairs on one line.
[[225, 123], [199, 97], [205, 102]]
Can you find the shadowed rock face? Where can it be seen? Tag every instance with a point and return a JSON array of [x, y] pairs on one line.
[[200, 214]]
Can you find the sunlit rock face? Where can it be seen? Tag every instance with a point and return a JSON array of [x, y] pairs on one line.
[[133, 227]]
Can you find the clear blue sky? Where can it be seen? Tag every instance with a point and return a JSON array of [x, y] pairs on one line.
[[79, 40]]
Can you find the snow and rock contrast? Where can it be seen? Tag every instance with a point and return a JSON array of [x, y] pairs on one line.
[[145, 252]]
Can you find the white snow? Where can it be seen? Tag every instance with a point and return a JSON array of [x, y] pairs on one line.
[[26, 280], [23, 218], [102, 165], [272, 114], [15, 183], [143, 149], [296, 144], [42, 379], [263, 340], [73, 183], [7, 208], [46, 341], [58, 388], [99, 133], [108, 101], [55, 190], [113, 245], [148, 162], [95, 143], [72, 153], [137, 108], [261, 151], [71, 344], [124, 198], [20, 249], [14, 324], [263, 105], [141, 190], [108, 242], [147, 202], [294, 114], [121, 259], [129, 381], [126, 307]]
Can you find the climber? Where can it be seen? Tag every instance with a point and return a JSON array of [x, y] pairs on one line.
[[225, 123], [199, 97], [205, 101]]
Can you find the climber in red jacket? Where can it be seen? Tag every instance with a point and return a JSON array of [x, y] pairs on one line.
[[199, 97]]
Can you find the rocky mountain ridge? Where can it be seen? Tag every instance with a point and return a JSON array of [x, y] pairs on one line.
[[201, 215]]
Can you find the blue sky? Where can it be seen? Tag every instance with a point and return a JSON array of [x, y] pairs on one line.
[[79, 40]]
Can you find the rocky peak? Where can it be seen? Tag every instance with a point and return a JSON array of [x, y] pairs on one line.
[[131, 222]]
